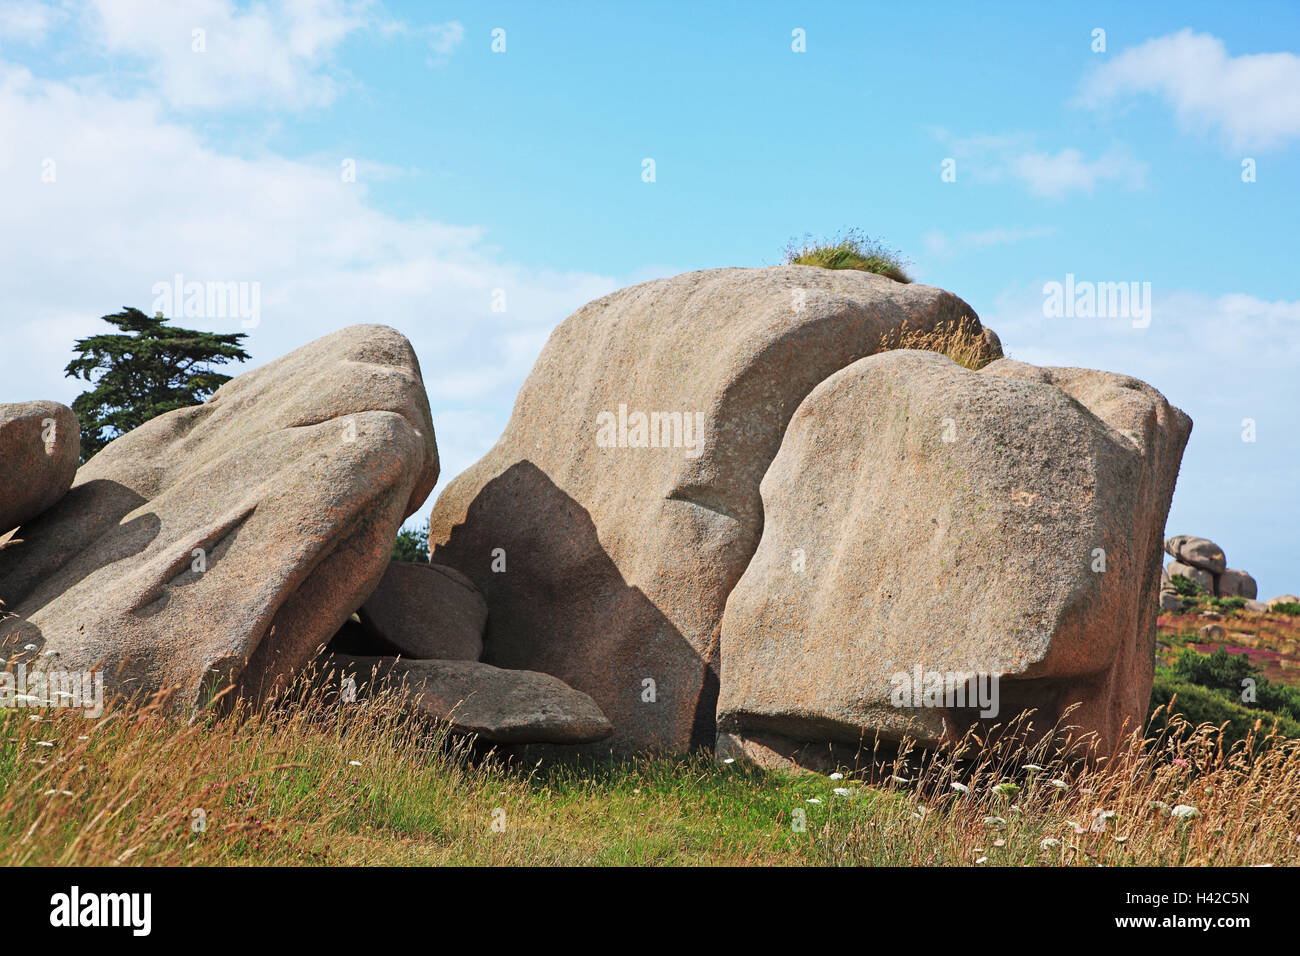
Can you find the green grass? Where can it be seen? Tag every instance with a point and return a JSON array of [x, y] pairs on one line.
[[851, 250], [365, 784]]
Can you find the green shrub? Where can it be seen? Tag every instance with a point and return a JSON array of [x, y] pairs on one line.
[[851, 250], [412, 544], [1230, 676], [1217, 671], [1186, 587], [1228, 603], [1286, 607], [1202, 705]]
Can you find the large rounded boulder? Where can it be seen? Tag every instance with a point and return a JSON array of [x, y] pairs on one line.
[[226, 542], [943, 546], [1198, 552], [619, 508]]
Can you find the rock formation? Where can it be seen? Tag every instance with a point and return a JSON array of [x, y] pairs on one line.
[[426, 611], [228, 541], [923, 517], [914, 516], [503, 706], [1203, 563], [39, 448], [619, 508]]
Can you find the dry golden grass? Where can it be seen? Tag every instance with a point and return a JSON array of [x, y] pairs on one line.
[[317, 784], [962, 341], [1174, 798]]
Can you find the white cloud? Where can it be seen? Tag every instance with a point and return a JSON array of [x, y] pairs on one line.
[[1054, 175], [27, 21], [257, 56], [1013, 157], [445, 37], [137, 197], [214, 54], [942, 244], [1253, 99]]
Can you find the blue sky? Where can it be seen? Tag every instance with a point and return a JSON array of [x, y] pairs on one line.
[[522, 171]]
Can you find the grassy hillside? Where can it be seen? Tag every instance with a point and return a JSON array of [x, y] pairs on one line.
[[1247, 669]]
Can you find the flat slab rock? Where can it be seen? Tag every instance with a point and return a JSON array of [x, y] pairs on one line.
[[501, 706]]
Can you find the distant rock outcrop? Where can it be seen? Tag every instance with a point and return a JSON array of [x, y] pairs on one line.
[[1202, 562], [1198, 552]]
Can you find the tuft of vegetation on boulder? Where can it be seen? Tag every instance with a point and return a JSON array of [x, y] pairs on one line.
[[850, 250], [964, 341]]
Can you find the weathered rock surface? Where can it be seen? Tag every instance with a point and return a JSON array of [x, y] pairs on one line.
[[427, 611], [1233, 583], [615, 536], [1282, 599], [1170, 601], [1198, 576], [39, 447], [887, 549], [228, 541], [504, 706], [1169, 597], [1198, 552], [1212, 632]]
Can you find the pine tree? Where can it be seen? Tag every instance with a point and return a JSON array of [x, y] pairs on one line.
[[152, 369], [412, 544]]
